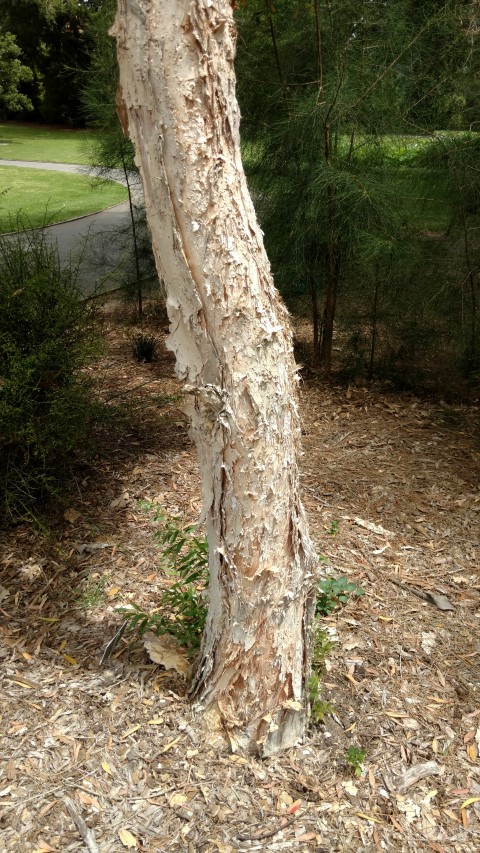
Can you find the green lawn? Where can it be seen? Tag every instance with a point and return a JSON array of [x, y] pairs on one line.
[[44, 144], [43, 197]]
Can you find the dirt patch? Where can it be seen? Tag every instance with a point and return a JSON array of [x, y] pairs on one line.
[[391, 488]]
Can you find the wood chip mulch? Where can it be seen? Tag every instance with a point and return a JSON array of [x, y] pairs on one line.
[[109, 758]]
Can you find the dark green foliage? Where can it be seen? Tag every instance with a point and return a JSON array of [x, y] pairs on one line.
[[12, 74], [144, 348], [54, 43], [441, 79], [47, 335], [182, 604], [334, 593], [98, 92], [369, 229], [320, 196]]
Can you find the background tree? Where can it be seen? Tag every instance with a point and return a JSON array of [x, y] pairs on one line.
[[441, 78], [112, 147], [12, 74], [330, 73], [352, 217], [54, 44], [229, 331]]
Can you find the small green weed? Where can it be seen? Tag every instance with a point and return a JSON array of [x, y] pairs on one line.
[[334, 528], [144, 348], [322, 645], [334, 592], [183, 608], [318, 708], [92, 595], [355, 757]]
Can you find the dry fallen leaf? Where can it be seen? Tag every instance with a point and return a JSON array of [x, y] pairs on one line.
[[162, 650], [472, 753], [177, 800], [170, 744], [112, 590], [127, 839], [71, 515], [222, 848], [131, 730], [470, 802], [374, 528], [368, 817], [120, 502]]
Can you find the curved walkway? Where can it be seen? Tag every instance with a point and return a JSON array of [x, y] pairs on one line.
[[76, 169], [98, 242]]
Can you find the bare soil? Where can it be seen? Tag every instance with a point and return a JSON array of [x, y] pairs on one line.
[[109, 758]]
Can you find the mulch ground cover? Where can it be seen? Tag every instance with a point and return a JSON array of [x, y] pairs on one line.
[[108, 757]]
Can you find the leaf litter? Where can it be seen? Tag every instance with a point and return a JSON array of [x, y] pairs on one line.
[[109, 757]]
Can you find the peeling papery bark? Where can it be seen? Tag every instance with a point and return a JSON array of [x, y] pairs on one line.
[[230, 333]]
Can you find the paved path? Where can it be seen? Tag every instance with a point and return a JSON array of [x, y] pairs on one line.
[[97, 242]]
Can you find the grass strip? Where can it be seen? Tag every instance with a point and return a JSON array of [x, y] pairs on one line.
[[44, 144], [42, 197]]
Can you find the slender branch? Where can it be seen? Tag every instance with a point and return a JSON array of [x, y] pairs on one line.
[[318, 35], [276, 54], [86, 833], [268, 833], [388, 68], [135, 240]]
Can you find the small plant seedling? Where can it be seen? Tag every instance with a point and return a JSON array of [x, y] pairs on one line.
[[144, 348], [334, 528], [334, 592], [355, 757], [318, 708], [183, 604], [322, 645], [92, 595]]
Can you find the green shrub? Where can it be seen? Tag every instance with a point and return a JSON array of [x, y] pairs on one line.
[[334, 592], [144, 348], [47, 335]]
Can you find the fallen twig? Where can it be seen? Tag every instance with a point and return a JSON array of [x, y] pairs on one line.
[[440, 601], [111, 646], [85, 832], [267, 833]]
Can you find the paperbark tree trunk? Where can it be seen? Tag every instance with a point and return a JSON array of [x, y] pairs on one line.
[[230, 333]]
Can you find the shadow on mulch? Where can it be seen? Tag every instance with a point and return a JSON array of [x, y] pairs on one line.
[[55, 570]]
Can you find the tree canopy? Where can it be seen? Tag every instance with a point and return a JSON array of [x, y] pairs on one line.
[[52, 37], [12, 74]]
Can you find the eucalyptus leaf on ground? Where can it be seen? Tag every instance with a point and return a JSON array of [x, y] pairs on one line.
[[163, 650]]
